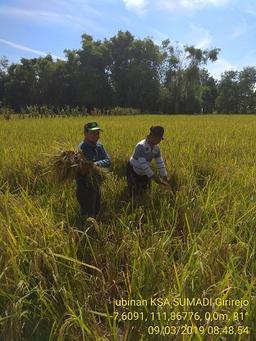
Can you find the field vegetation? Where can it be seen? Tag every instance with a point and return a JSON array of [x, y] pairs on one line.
[[59, 276]]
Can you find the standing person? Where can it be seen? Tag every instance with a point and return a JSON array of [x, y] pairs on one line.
[[88, 194], [139, 173]]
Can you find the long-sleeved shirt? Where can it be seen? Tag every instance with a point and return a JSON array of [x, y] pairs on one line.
[[143, 155], [96, 153]]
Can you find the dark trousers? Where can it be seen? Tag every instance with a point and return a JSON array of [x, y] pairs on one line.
[[89, 198], [136, 183]]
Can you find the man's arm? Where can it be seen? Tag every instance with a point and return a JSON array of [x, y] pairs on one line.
[[160, 164], [105, 160]]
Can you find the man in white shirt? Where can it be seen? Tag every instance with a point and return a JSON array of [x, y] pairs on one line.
[[139, 172]]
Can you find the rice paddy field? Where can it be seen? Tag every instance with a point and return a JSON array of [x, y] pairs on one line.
[[173, 264]]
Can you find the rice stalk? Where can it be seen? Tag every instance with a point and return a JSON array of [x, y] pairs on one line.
[[67, 165]]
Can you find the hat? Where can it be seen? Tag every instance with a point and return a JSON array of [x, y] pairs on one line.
[[157, 131], [91, 126]]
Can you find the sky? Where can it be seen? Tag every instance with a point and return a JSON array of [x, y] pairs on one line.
[[30, 28]]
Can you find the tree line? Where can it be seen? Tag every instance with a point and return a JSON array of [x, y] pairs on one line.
[[127, 72]]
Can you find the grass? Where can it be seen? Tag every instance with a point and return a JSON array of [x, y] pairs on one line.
[[58, 281]]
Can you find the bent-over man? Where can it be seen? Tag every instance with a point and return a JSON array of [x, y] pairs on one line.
[[139, 173]]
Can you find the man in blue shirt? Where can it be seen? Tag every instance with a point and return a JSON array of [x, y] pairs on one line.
[[88, 195]]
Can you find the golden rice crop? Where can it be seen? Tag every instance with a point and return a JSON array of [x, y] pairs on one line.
[[61, 276], [66, 165]]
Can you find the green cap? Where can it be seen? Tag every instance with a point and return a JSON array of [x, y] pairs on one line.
[[91, 126]]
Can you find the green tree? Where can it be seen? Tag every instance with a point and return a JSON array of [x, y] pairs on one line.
[[3, 73], [193, 85], [172, 77], [44, 87], [208, 92], [20, 84], [134, 71], [227, 100], [91, 77], [182, 66], [247, 87]]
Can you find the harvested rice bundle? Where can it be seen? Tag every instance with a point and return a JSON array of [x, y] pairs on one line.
[[69, 164]]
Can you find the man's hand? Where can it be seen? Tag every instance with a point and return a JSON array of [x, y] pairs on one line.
[[166, 178], [161, 181], [156, 179], [86, 168]]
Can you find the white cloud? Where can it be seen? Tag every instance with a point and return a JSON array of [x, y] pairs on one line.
[[204, 43], [70, 6], [250, 8], [248, 58], [201, 37], [54, 17], [241, 29], [158, 36], [28, 49], [202, 3], [189, 4], [138, 6], [218, 67], [15, 11]]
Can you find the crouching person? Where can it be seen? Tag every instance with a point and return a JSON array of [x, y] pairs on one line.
[[88, 194], [139, 173]]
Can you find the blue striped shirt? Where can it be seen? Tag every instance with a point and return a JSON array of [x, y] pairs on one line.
[[142, 157], [95, 153]]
